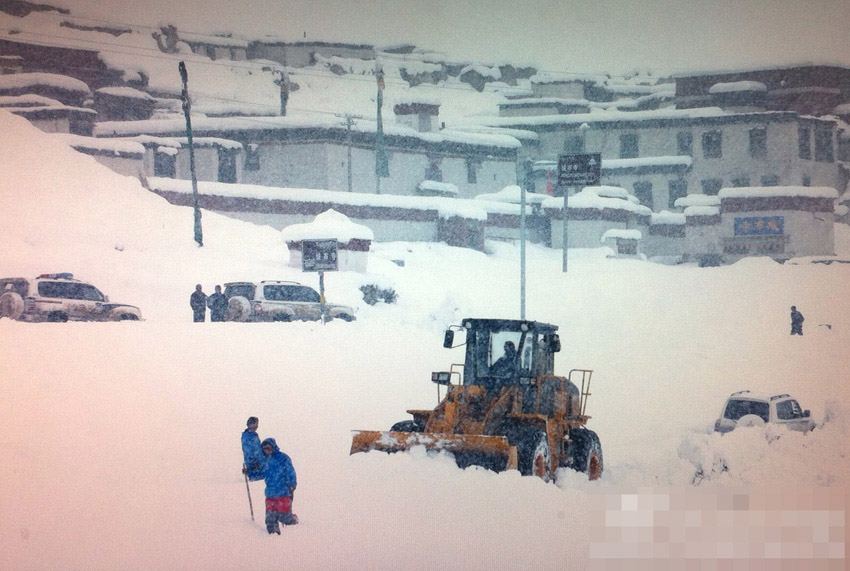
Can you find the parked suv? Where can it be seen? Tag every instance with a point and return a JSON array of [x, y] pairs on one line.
[[278, 301], [59, 297], [746, 409]]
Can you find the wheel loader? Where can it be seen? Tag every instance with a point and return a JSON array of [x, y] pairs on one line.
[[503, 408]]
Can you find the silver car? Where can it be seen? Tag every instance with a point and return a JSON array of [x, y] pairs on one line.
[[743, 408], [279, 301]]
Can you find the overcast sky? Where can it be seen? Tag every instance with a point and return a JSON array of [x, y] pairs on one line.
[[559, 35]]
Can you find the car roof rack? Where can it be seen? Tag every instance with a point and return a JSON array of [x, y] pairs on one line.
[[739, 393], [57, 276], [782, 396]]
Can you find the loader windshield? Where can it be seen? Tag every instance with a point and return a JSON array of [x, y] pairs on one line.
[[503, 355]]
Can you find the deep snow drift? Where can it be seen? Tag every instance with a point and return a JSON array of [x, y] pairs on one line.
[[119, 445]]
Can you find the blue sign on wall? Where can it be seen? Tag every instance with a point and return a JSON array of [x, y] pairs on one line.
[[760, 226]]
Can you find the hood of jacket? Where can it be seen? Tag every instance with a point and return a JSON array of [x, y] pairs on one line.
[[271, 441]]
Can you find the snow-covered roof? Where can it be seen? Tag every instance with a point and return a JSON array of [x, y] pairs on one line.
[[28, 100], [667, 217], [221, 41], [739, 71], [127, 92], [538, 101], [116, 146], [512, 195], [178, 142], [621, 233], [327, 225], [446, 207], [433, 185], [697, 200], [843, 109], [413, 98], [616, 116], [674, 160], [521, 134], [735, 86], [543, 77], [27, 80], [599, 198], [770, 191], [492, 72], [225, 124]]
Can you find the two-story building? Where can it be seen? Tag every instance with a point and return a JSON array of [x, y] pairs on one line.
[[663, 155]]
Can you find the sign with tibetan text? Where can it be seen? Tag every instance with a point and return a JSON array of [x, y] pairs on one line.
[[579, 170], [760, 226], [319, 256]]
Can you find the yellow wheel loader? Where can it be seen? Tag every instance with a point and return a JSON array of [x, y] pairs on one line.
[[504, 407]]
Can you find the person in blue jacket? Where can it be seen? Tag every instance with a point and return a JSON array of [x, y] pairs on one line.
[[280, 487], [252, 451]]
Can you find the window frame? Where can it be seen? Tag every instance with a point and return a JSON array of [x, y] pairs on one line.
[[685, 143], [712, 144], [758, 142], [629, 146]]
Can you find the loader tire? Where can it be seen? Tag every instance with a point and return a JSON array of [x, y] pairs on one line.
[[533, 454], [407, 426], [11, 305], [586, 452]]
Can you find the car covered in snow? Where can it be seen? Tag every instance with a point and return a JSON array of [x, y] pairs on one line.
[[59, 297], [743, 408], [279, 301]]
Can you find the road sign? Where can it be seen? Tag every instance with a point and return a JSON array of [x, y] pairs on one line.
[[579, 170], [319, 256]]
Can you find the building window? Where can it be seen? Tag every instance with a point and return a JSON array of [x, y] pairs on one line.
[[226, 166], [643, 192], [165, 164], [678, 189], [711, 186], [433, 171], [252, 157], [629, 146], [758, 143], [573, 144], [740, 181], [805, 135], [770, 180], [712, 144], [472, 166], [807, 180], [685, 143], [823, 145]]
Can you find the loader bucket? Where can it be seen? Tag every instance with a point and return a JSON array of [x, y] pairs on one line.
[[492, 452]]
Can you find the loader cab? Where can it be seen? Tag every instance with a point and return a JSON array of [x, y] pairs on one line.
[[501, 352]]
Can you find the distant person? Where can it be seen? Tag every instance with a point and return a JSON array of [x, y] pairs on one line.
[[198, 302], [252, 452], [217, 303], [796, 321], [280, 487], [506, 365]]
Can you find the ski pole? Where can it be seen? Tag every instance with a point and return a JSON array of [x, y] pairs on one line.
[[248, 488]]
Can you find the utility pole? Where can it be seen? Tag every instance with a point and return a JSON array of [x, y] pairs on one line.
[[381, 167], [348, 121], [199, 235]]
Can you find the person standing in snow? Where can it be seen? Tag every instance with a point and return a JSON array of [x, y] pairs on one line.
[[217, 303], [796, 321], [252, 452], [198, 303], [280, 487]]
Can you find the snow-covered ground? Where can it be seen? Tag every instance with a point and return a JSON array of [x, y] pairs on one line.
[[119, 442]]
